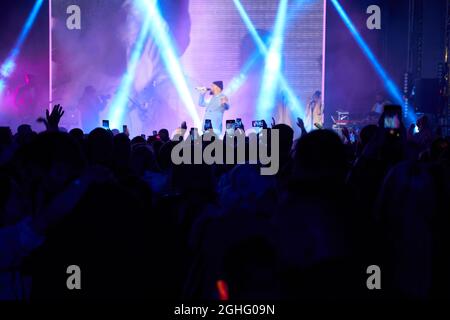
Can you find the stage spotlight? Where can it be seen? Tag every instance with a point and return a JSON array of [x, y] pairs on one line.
[[9, 64], [120, 101], [269, 88], [387, 81], [293, 100], [162, 38]]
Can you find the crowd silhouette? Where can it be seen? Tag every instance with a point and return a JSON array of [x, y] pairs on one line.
[[140, 227]]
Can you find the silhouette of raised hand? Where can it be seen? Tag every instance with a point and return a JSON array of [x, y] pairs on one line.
[[52, 119]]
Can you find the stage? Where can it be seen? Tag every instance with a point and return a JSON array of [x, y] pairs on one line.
[[149, 76]]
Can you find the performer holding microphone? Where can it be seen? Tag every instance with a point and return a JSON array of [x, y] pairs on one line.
[[216, 106]]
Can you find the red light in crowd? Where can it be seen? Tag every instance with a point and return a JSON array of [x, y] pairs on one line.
[[222, 290]]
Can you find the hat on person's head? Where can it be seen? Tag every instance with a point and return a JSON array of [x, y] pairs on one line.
[[219, 84]]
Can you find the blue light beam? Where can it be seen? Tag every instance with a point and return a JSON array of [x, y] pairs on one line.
[[387, 81], [119, 104], [9, 64], [170, 59], [293, 100], [269, 88]]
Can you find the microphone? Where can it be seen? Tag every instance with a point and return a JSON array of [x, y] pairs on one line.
[[202, 89]]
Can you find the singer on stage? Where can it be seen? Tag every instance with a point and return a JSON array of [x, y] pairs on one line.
[[216, 106]]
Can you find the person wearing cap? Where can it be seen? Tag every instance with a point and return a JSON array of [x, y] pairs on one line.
[[216, 106]]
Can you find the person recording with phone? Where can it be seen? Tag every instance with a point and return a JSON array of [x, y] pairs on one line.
[[390, 141], [424, 136], [216, 106]]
